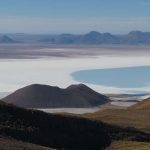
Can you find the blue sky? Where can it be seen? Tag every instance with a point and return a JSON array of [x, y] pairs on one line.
[[76, 16]]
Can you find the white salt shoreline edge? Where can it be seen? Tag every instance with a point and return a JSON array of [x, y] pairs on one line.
[[18, 73]]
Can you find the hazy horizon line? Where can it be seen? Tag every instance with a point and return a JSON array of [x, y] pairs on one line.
[[73, 33]]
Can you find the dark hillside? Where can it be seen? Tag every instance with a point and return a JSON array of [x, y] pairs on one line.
[[52, 130], [44, 96]]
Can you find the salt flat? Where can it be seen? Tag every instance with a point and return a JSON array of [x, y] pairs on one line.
[[55, 70], [71, 110], [16, 73]]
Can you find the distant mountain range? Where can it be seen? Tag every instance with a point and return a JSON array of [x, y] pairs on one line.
[[44, 96], [93, 37], [6, 39]]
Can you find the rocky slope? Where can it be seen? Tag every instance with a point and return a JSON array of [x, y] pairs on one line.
[[44, 96]]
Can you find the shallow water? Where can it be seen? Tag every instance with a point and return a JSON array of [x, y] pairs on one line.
[[18, 73], [124, 104], [128, 77], [71, 110]]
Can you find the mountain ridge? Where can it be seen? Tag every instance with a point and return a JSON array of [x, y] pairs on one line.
[[91, 38], [45, 96], [6, 39]]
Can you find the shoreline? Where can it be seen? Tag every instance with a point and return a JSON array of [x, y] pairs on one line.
[[82, 111], [80, 74], [56, 70]]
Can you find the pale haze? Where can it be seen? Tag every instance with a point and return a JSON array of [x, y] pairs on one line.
[[69, 16]]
